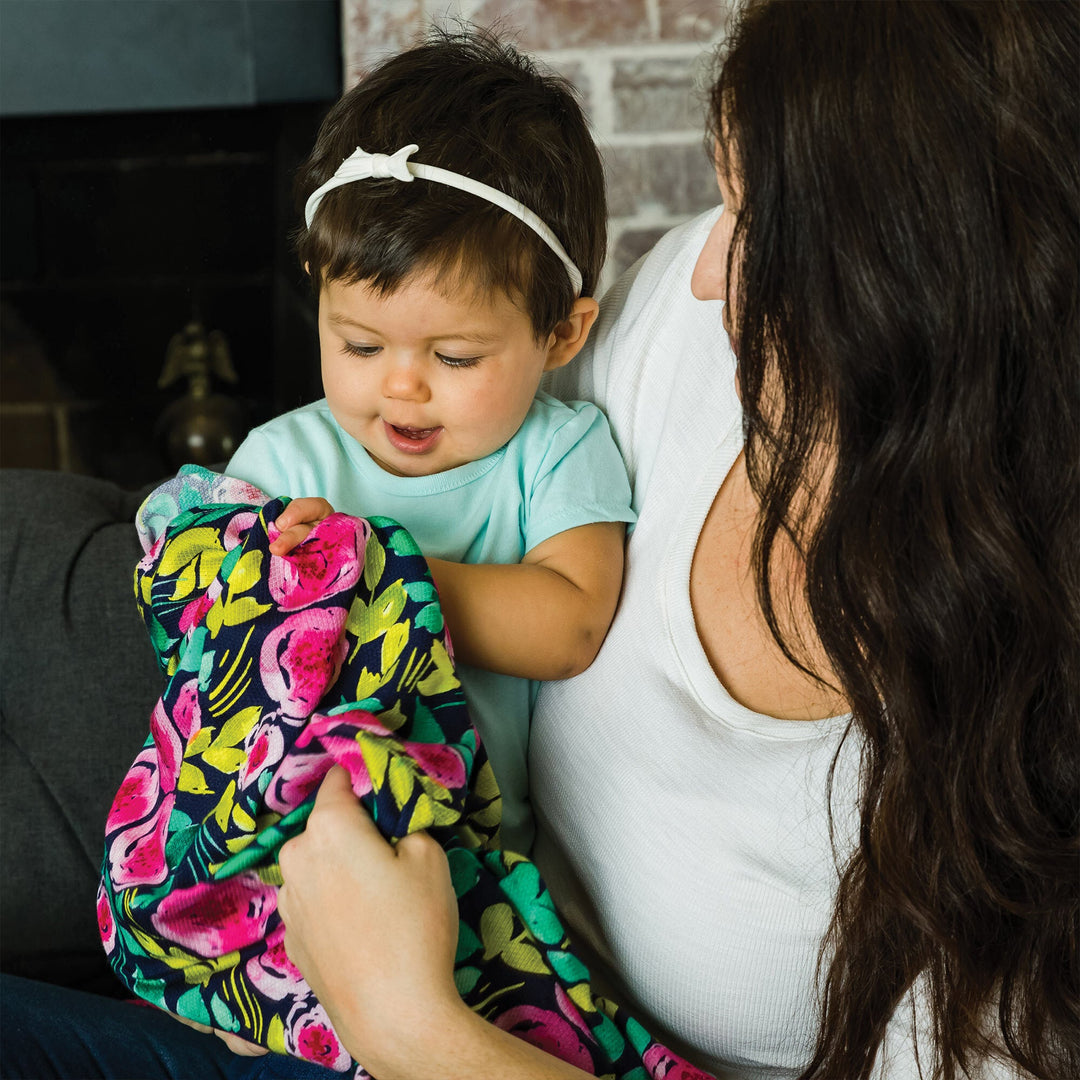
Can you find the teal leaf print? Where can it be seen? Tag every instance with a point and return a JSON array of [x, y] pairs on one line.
[[420, 590], [430, 618]]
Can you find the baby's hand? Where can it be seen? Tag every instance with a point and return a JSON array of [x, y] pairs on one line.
[[296, 521]]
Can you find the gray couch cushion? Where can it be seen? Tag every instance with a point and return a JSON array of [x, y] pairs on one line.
[[77, 683]]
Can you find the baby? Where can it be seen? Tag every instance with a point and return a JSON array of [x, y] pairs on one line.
[[447, 286], [295, 638]]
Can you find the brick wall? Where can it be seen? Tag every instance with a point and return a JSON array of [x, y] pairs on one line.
[[641, 67]]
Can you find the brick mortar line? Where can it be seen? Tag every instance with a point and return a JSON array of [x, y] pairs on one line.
[[645, 50], [620, 139]]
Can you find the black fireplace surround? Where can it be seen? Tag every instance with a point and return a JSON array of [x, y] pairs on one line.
[[147, 149]]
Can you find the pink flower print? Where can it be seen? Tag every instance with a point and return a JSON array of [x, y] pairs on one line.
[[272, 972], [194, 613], [264, 747], [137, 855], [146, 563], [302, 657], [167, 743], [328, 561], [138, 794], [106, 923], [295, 779], [548, 1031], [187, 716], [311, 1036], [662, 1064], [239, 525], [571, 1012], [347, 753], [213, 918], [441, 762]]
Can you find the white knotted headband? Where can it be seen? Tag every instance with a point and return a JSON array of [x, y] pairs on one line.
[[360, 165]]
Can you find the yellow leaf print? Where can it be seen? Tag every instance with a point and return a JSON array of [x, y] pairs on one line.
[[522, 956], [485, 785], [193, 545], [374, 562], [238, 727], [230, 612], [397, 637], [226, 759], [246, 572], [376, 758], [368, 621], [224, 806], [201, 972], [270, 875], [368, 683], [186, 581], [275, 1035], [582, 997], [443, 677], [422, 815], [496, 926], [192, 780], [402, 779], [199, 742], [391, 718]]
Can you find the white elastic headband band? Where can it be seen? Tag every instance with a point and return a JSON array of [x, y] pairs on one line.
[[360, 165]]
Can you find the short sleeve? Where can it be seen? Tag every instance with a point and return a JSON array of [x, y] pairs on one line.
[[296, 454], [258, 461], [580, 478]]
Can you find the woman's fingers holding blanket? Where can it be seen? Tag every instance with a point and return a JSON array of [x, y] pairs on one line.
[[372, 926]]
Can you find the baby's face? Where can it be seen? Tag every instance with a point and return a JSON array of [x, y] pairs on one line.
[[427, 379]]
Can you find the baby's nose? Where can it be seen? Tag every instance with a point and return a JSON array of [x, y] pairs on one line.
[[405, 381]]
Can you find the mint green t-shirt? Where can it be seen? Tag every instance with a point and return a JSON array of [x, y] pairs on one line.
[[560, 470]]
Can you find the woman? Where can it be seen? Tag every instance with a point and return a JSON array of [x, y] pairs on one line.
[[813, 810], [836, 716]]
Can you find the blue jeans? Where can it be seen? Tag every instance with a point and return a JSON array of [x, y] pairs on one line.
[[52, 1032]]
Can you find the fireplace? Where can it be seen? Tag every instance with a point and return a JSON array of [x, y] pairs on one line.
[[121, 227]]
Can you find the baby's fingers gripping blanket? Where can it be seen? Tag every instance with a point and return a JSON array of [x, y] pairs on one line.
[[278, 668]]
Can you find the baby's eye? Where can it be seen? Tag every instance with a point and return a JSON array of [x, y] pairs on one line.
[[459, 361], [360, 350]]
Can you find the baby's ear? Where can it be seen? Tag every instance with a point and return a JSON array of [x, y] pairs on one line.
[[572, 333]]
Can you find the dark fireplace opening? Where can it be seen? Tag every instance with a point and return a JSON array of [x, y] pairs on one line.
[[119, 230]]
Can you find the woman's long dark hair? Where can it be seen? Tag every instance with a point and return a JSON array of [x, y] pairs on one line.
[[907, 253]]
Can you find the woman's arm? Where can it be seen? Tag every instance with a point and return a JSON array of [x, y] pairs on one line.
[[373, 928]]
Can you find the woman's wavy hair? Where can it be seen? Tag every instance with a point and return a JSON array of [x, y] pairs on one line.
[[907, 255]]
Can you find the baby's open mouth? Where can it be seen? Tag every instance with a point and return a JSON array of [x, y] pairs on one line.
[[412, 440], [416, 434]]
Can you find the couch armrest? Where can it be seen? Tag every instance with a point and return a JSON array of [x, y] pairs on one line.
[[77, 683]]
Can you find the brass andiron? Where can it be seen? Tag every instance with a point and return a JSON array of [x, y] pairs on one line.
[[201, 428]]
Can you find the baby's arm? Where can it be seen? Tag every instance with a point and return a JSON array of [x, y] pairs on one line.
[[542, 618]]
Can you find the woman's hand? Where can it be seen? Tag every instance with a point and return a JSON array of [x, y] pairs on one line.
[[373, 927], [296, 521]]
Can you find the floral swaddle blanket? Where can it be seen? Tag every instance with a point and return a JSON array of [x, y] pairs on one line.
[[279, 667]]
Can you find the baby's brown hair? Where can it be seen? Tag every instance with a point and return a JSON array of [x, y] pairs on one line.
[[476, 106]]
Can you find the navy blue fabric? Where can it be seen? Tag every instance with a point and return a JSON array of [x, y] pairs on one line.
[[56, 1032]]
